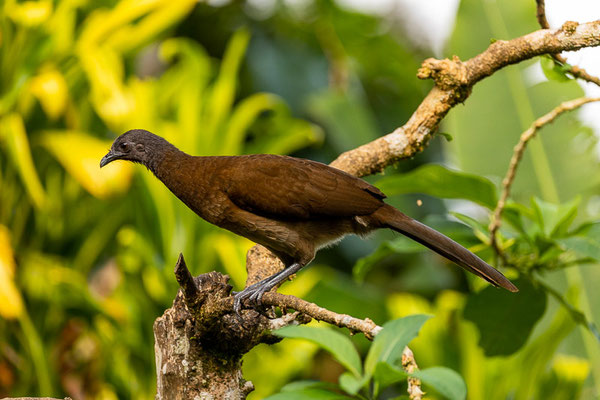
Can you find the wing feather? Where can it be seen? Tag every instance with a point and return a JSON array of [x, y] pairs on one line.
[[293, 188]]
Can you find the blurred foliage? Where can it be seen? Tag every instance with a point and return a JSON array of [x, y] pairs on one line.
[[86, 255]]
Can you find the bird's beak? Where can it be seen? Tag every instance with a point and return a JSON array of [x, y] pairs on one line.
[[109, 157]]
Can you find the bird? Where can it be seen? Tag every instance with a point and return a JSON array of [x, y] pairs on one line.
[[291, 206]]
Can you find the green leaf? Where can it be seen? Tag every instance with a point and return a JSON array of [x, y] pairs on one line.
[[334, 342], [445, 381], [307, 384], [585, 242], [584, 247], [390, 342], [308, 394], [555, 219], [513, 213], [436, 180], [505, 319], [479, 229], [12, 132], [553, 70], [386, 374], [350, 384]]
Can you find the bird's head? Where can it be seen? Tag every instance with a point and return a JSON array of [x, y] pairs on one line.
[[136, 145]]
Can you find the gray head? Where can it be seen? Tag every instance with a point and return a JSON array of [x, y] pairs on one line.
[[137, 145]]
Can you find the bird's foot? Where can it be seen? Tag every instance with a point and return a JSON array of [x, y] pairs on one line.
[[253, 294]]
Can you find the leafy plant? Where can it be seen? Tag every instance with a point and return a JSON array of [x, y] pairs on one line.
[[382, 367]]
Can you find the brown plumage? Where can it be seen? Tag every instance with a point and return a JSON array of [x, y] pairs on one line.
[[291, 206]]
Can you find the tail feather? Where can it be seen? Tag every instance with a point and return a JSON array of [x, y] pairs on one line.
[[392, 218]]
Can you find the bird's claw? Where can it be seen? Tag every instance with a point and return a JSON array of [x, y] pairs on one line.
[[253, 294]]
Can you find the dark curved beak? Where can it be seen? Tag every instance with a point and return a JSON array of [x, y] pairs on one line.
[[109, 157]]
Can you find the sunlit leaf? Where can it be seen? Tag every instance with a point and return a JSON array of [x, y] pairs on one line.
[[11, 303], [161, 15], [30, 13], [132, 23], [111, 99], [223, 91], [12, 132], [336, 343], [80, 153], [51, 90], [232, 253], [436, 180], [505, 319]]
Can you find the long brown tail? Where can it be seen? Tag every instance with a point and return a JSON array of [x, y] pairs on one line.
[[390, 217]]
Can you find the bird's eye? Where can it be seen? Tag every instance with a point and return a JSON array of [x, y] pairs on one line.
[[124, 147]]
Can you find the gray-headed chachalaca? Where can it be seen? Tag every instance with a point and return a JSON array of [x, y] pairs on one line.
[[292, 206]]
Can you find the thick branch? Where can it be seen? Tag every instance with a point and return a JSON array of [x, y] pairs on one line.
[[454, 81], [574, 70]]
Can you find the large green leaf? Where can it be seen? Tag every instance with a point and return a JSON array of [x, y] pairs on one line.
[[390, 342], [444, 380], [334, 342], [505, 319], [436, 180]]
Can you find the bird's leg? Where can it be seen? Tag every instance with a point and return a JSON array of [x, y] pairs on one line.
[[255, 292]]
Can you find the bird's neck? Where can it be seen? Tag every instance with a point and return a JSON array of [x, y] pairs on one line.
[[183, 174], [165, 161]]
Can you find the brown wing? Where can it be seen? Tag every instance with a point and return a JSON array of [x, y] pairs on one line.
[[293, 188]]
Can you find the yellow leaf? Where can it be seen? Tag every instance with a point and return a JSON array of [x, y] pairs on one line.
[[111, 99], [11, 304], [12, 131], [132, 23], [80, 154], [571, 368], [51, 90], [30, 13], [232, 252]]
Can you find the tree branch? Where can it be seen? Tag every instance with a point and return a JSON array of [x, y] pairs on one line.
[[574, 70], [518, 155], [454, 81]]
